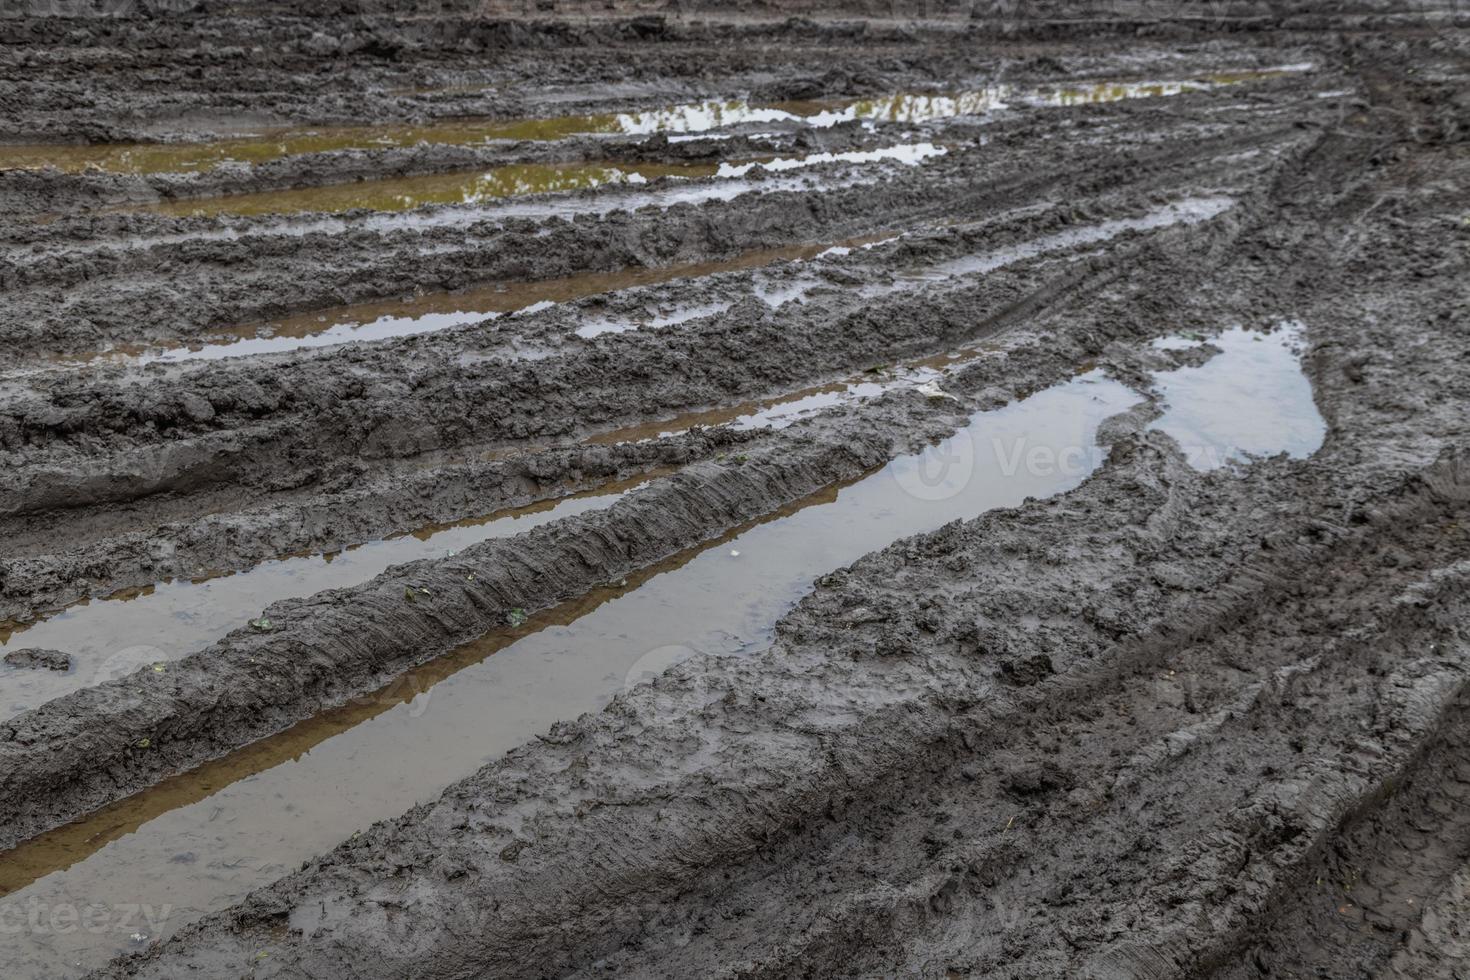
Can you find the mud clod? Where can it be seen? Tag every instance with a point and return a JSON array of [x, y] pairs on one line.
[[34, 659]]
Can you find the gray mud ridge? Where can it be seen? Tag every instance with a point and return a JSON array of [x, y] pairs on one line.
[[350, 509]]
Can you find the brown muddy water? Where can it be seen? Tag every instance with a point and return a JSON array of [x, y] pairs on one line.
[[471, 188], [109, 638], [406, 193], [269, 144], [201, 841], [265, 145]]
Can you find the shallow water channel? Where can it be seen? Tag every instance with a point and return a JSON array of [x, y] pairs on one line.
[[201, 841]]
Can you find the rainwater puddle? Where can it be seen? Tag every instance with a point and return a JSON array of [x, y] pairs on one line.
[[1252, 399], [473, 188], [202, 841], [384, 319], [115, 636], [910, 154], [619, 198], [459, 188], [269, 144], [274, 143], [787, 409]]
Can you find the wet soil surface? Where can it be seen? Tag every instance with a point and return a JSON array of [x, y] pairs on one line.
[[961, 496]]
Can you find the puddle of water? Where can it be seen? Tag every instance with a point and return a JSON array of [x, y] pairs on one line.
[[203, 840], [909, 154], [792, 409], [1253, 399], [661, 196], [656, 321], [112, 637], [694, 118], [466, 189], [1118, 91], [383, 319], [406, 193], [273, 144], [916, 108]]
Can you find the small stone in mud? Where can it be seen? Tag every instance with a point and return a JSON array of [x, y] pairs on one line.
[[1024, 672], [36, 659]]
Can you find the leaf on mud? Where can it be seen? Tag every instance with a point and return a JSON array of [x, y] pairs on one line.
[[516, 617], [159, 668], [411, 594], [143, 743], [261, 625]]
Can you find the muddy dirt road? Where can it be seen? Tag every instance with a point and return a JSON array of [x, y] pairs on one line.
[[571, 489]]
